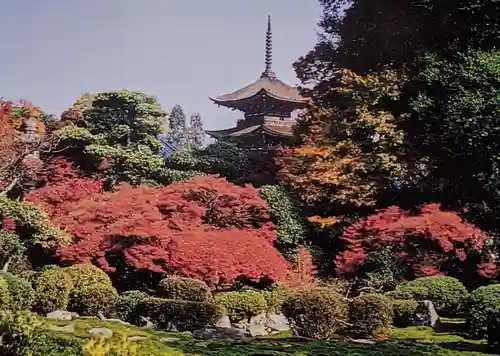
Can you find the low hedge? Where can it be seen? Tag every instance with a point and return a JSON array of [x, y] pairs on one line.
[[52, 289], [370, 314], [181, 288], [404, 312], [184, 315], [482, 304], [447, 294], [94, 300], [127, 303], [275, 297], [242, 305], [21, 293], [4, 294], [319, 313]]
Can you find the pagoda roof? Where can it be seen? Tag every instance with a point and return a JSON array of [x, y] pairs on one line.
[[270, 129], [268, 85]]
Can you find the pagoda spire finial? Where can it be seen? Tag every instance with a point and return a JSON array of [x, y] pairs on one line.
[[268, 72]]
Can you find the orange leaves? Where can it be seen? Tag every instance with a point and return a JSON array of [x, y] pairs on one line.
[[326, 175]]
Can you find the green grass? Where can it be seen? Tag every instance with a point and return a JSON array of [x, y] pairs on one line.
[[413, 341]]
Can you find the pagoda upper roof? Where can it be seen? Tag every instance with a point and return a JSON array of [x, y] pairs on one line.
[[268, 84]]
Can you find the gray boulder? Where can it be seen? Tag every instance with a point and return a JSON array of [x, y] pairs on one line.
[[220, 333], [60, 315], [223, 322], [257, 325], [426, 314], [277, 322]]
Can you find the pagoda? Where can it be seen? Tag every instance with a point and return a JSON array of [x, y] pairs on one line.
[[267, 104]]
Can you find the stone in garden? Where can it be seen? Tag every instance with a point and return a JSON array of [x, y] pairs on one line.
[[426, 314], [136, 338], [149, 325], [119, 321], [257, 326], [202, 343], [169, 339], [103, 333], [364, 341], [171, 326], [60, 315], [277, 322], [70, 328], [220, 333], [223, 322]]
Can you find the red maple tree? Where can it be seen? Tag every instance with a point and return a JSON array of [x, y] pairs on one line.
[[205, 228], [424, 243]]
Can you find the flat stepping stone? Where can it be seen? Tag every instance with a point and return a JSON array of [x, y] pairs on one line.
[[136, 338], [70, 328], [170, 339], [103, 333]]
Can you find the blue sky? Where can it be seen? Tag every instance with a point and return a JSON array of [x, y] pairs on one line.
[[182, 51]]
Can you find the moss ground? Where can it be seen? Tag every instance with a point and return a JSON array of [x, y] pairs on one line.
[[448, 340]]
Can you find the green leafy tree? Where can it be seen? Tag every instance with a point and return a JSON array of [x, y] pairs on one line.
[[454, 122], [119, 137]]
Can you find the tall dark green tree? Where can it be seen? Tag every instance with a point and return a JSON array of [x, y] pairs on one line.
[[177, 120], [368, 35], [196, 134]]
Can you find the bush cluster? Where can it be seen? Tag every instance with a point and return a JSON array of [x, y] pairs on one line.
[[447, 294], [21, 293], [95, 300], [483, 303], [319, 313], [404, 312], [127, 302], [242, 305], [4, 294], [85, 275], [180, 288], [52, 288], [370, 314], [184, 315]]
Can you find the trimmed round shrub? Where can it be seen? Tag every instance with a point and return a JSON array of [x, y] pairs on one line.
[[95, 300], [447, 294], [276, 297], [242, 305], [370, 314], [318, 313], [180, 288], [404, 312], [483, 302], [127, 302], [85, 275], [184, 315], [4, 294], [21, 293], [52, 289]]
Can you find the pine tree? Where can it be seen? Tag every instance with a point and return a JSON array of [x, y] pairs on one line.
[[177, 134], [196, 135]]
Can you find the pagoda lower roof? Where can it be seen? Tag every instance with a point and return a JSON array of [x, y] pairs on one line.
[[272, 130], [267, 84]]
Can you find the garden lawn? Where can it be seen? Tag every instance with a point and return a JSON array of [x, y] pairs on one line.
[[413, 341]]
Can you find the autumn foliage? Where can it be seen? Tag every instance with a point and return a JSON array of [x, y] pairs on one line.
[[425, 243], [205, 228]]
